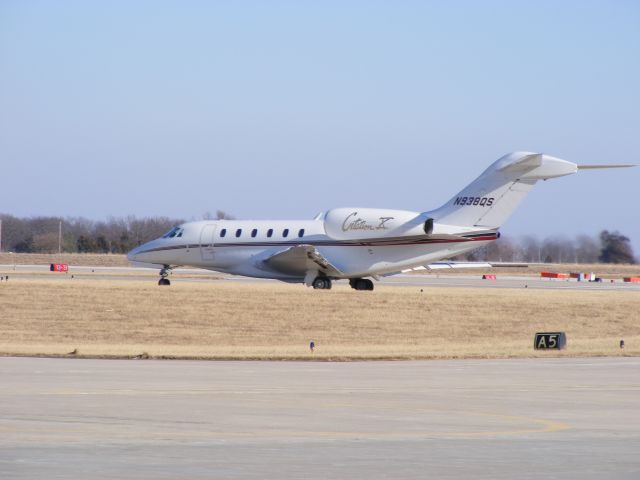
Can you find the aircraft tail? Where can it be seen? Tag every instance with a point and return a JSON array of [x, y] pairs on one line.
[[490, 199]]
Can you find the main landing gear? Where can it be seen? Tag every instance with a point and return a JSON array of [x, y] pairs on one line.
[[321, 283], [361, 284], [324, 283], [164, 273]]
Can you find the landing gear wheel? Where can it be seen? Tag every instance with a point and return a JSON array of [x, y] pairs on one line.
[[164, 273], [321, 283], [361, 284]]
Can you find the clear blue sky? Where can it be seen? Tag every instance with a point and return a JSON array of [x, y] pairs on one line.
[[283, 109]]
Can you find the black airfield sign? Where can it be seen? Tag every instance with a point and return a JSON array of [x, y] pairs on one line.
[[550, 341]]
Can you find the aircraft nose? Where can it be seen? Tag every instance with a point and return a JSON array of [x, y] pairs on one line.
[[137, 254], [131, 256], [147, 253]]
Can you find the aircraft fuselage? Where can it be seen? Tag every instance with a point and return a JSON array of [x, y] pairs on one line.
[[241, 247]]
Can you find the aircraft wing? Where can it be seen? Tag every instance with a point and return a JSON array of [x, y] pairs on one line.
[[300, 259]]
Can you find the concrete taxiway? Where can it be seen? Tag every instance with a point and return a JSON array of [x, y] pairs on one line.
[[534, 418], [468, 280]]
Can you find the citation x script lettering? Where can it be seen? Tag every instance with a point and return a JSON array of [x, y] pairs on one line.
[[357, 244], [352, 222]]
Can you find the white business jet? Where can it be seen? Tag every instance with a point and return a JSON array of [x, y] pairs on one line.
[[356, 243]]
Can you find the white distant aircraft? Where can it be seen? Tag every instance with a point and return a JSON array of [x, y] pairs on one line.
[[355, 243]]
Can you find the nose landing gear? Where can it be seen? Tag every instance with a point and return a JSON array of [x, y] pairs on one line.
[[164, 273], [361, 284]]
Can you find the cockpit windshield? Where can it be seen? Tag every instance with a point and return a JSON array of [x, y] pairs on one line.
[[174, 232]]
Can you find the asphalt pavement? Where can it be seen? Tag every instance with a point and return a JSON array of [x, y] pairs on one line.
[[493, 419]]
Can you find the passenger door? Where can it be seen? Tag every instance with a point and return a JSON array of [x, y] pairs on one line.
[[207, 236]]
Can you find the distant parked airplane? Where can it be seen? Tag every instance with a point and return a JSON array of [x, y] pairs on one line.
[[355, 243]]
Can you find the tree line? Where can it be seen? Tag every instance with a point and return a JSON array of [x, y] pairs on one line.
[[121, 234], [81, 235], [607, 247]]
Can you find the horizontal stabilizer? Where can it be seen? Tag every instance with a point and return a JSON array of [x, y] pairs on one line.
[[455, 265], [528, 162], [594, 167]]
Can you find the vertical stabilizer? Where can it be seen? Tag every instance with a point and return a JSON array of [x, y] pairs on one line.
[[490, 199]]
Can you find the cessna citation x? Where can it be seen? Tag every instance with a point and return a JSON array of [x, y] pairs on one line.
[[356, 243]]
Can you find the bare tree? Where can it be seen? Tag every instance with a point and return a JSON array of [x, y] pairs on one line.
[[222, 215], [502, 250], [531, 249], [587, 249], [45, 242], [16, 232], [556, 250]]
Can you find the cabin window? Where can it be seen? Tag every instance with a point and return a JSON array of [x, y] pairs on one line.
[[270, 233], [301, 233], [238, 232], [285, 233], [254, 232], [223, 232]]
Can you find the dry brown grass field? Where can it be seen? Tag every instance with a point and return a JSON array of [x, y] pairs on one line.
[[277, 321]]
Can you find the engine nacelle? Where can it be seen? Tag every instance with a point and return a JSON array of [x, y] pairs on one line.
[[355, 223]]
